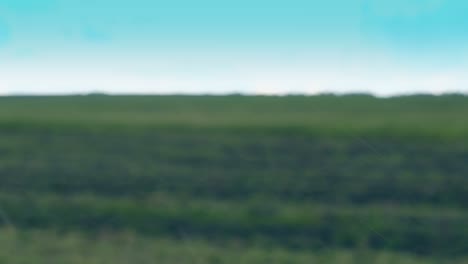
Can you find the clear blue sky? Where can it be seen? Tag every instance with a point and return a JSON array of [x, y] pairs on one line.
[[252, 46]]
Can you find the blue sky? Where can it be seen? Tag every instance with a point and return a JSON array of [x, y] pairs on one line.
[[251, 46]]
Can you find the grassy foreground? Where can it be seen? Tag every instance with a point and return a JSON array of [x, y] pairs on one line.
[[119, 248], [330, 179]]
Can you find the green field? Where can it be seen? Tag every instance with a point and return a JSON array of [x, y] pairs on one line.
[[234, 179], [124, 248]]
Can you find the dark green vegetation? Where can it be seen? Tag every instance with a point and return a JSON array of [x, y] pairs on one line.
[[298, 173], [123, 248]]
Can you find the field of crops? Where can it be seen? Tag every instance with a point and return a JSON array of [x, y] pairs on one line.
[[324, 179]]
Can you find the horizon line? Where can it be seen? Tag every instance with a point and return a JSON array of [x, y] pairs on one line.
[[243, 94]]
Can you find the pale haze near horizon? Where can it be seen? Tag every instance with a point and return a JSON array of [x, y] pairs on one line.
[[253, 47]]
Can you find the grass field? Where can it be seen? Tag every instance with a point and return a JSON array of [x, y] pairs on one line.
[[116, 248], [235, 179], [414, 115]]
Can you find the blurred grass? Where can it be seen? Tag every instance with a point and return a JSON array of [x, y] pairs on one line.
[[298, 174], [423, 230], [416, 115], [48, 246]]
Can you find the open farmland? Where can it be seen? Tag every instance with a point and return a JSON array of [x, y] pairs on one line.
[[297, 176]]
